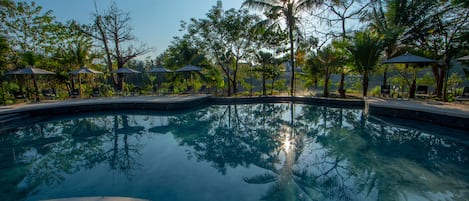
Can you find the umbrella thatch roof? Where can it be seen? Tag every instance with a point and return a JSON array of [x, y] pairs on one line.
[[409, 59], [125, 70], [30, 71], [85, 70], [189, 68], [159, 70]]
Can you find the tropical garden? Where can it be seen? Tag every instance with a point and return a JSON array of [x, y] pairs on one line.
[[266, 47]]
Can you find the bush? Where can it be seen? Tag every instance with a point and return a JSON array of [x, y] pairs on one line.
[[376, 91]]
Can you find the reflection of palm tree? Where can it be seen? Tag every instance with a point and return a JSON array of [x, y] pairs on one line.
[[287, 181]]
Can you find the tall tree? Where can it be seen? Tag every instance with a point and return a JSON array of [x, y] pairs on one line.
[[365, 49], [343, 11], [266, 61], [393, 19], [4, 51], [329, 59], [228, 38], [290, 11], [442, 32], [114, 30], [27, 27]]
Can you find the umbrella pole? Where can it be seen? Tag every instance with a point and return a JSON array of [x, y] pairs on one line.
[[122, 86], [79, 84], [36, 89]]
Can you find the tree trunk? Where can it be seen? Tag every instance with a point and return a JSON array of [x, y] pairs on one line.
[[235, 85], [446, 73], [342, 74], [385, 76], [235, 82], [412, 89], [326, 85], [365, 83], [439, 74], [272, 87], [341, 85], [292, 58], [264, 90], [228, 79], [413, 86], [107, 50]]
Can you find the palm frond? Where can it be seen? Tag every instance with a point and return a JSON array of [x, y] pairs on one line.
[[307, 4], [261, 5]]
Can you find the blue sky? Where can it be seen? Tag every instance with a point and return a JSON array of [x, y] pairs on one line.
[[155, 22]]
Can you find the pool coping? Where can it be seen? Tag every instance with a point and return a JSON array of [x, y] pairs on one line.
[[451, 117]]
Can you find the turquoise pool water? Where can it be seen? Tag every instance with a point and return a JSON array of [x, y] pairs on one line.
[[233, 152]]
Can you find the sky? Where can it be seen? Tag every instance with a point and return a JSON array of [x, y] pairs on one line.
[[155, 22]]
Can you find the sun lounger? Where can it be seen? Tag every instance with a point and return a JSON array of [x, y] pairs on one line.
[[75, 93], [96, 92], [422, 91], [385, 90], [49, 93]]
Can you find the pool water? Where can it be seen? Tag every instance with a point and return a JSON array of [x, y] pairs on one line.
[[233, 152]]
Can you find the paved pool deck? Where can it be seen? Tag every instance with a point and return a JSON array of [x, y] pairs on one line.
[[455, 115]]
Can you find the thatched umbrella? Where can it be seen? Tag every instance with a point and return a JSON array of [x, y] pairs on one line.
[[159, 70], [32, 71], [189, 69], [123, 71], [409, 59], [83, 70]]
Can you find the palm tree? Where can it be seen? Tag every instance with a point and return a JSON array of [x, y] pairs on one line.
[[266, 60], [365, 49], [329, 60], [289, 10]]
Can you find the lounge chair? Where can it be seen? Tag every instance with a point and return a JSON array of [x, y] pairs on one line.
[[96, 92], [75, 93], [385, 90], [49, 93], [19, 95], [136, 91], [422, 91], [464, 96]]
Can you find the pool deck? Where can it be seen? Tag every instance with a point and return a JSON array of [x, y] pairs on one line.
[[455, 115]]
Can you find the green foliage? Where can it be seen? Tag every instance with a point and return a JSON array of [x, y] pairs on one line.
[[27, 26], [427, 79], [182, 52], [227, 38], [365, 49], [289, 11], [376, 91], [454, 80]]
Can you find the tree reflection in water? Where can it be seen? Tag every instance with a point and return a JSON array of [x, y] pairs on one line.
[[323, 153], [43, 153], [306, 152]]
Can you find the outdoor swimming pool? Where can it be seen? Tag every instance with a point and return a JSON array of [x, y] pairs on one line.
[[233, 152]]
